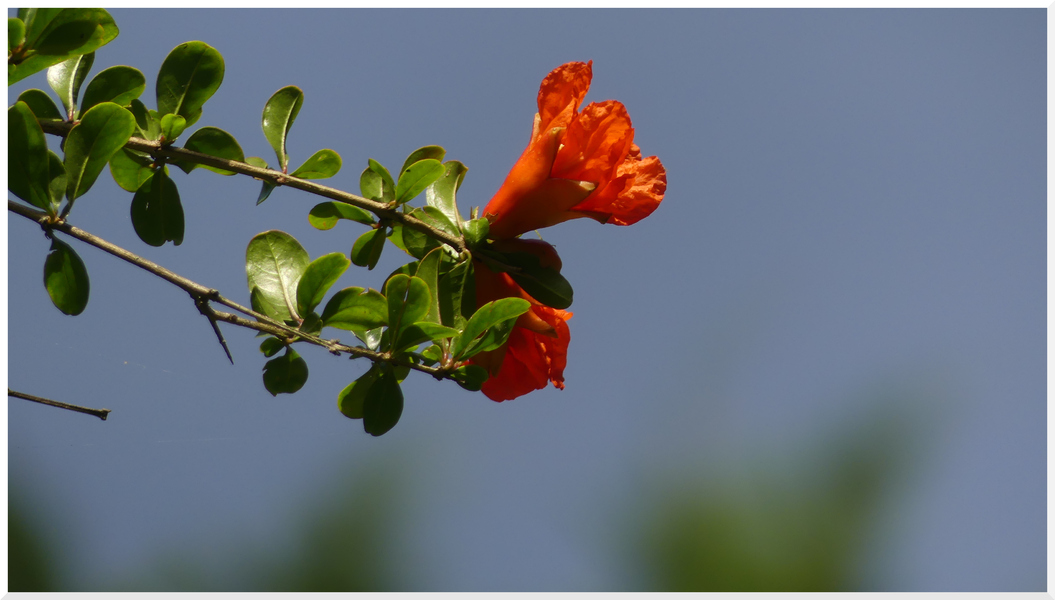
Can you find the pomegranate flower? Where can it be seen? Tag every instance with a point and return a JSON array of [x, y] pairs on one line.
[[537, 349], [578, 164]]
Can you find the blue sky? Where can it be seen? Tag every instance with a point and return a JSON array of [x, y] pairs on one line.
[[855, 206]]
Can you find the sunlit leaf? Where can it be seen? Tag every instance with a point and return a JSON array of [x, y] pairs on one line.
[[326, 214], [416, 178], [353, 397], [103, 130], [376, 183], [66, 278], [408, 301], [428, 270], [130, 169], [489, 326], [16, 33], [54, 35], [442, 193], [356, 309], [66, 79], [119, 85], [319, 275], [27, 157], [433, 152], [190, 75], [214, 142], [41, 104], [476, 231], [279, 113], [324, 163], [458, 295], [274, 264], [172, 126], [367, 248]]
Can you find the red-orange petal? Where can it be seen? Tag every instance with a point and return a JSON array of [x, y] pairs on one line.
[[596, 142], [635, 193], [531, 360], [562, 92]]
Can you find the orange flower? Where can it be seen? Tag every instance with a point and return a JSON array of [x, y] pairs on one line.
[[537, 350], [578, 164]]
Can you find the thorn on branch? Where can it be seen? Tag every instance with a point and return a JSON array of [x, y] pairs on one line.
[[203, 307]]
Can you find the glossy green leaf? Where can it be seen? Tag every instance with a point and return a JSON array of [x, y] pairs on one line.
[[470, 377], [432, 355], [66, 79], [376, 183], [428, 270], [214, 142], [172, 126], [274, 264], [279, 113], [371, 337], [312, 324], [383, 405], [441, 194], [27, 157], [54, 35], [130, 169], [433, 152], [41, 104], [476, 231], [458, 295], [416, 178], [157, 214], [489, 326], [408, 301], [148, 126], [417, 333], [271, 346], [66, 279], [324, 163], [326, 214], [190, 75], [434, 218], [56, 182], [367, 248], [353, 397], [285, 374], [356, 309], [16, 33], [267, 187], [320, 274], [412, 241], [103, 130], [119, 85]]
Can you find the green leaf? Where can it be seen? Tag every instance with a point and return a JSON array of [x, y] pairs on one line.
[[412, 241], [326, 214], [470, 377], [355, 309], [103, 130], [279, 113], [408, 301], [27, 157], [423, 331], [432, 217], [383, 405], [157, 214], [147, 126], [353, 397], [442, 193], [271, 346], [433, 354], [56, 182], [41, 104], [367, 248], [428, 270], [119, 85], [324, 163], [66, 279], [274, 264], [66, 79], [458, 295], [130, 169], [285, 374], [433, 152], [544, 284], [190, 75], [54, 35], [267, 187], [172, 126], [16, 33], [319, 275], [312, 324], [489, 326], [376, 183], [214, 142], [416, 178], [476, 231]]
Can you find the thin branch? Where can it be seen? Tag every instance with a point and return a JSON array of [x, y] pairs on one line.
[[202, 295], [95, 412], [278, 178]]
